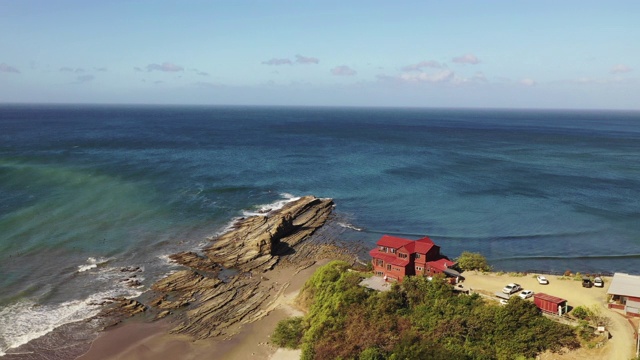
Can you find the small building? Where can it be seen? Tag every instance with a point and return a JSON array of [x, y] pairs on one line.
[[550, 304], [625, 293], [394, 258]]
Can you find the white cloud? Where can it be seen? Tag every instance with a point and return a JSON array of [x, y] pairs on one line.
[[306, 60], [466, 59], [621, 69], [343, 71], [165, 67], [277, 62], [423, 64], [438, 77]]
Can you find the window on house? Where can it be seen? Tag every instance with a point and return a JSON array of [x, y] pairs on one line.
[[417, 256], [404, 256], [393, 251], [380, 262], [418, 268], [383, 248], [388, 267]]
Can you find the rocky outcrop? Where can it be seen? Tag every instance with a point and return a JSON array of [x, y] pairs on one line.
[[210, 306], [253, 242]]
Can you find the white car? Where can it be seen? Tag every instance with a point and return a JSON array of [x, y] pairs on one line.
[[526, 294], [504, 301], [511, 288], [542, 280], [597, 282]]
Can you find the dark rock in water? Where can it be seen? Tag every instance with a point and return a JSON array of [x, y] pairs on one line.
[[130, 269], [124, 306]]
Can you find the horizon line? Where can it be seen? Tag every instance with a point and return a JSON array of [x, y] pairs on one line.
[[488, 108]]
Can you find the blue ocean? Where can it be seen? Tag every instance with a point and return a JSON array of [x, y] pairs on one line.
[[86, 191]]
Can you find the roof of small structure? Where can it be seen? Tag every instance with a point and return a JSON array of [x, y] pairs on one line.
[[625, 284], [393, 242], [552, 299], [441, 264]]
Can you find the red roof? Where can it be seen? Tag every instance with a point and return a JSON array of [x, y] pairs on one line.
[[393, 242], [549, 298], [388, 258], [421, 246], [441, 264]]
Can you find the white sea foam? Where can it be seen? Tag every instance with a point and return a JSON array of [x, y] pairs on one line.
[[26, 320], [166, 259], [349, 226], [92, 263], [263, 210]]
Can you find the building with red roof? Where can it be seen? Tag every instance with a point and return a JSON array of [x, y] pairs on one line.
[[394, 258]]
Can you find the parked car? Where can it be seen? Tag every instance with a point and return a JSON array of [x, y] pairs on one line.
[[526, 294], [511, 288], [504, 301], [542, 280], [586, 282], [598, 282]]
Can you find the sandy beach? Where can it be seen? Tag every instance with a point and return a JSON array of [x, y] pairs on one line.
[[142, 341]]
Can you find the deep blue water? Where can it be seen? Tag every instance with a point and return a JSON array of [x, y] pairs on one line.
[[86, 190]]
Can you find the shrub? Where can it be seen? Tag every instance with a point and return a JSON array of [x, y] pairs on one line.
[[288, 333], [473, 261], [581, 312], [371, 353]]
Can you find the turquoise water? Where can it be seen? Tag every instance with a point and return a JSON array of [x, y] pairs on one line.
[[86, 191]]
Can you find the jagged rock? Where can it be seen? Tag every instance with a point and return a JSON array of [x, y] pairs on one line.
[[254, 241], [123, 307], [163, 314], [194, 261], [254, 244]]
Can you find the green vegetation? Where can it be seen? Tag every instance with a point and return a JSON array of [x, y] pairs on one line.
[[472, 261], [418, 319], [288, 333]]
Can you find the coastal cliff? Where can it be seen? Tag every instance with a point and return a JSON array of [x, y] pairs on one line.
[[203, 304]]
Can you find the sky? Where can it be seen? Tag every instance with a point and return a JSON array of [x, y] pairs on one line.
[[474, 54]]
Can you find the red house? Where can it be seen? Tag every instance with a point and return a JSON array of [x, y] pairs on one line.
[[394, 258]]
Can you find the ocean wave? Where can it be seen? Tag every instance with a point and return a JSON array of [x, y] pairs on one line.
[[27, 320], [349, 226], [265, 209], [92, 263]]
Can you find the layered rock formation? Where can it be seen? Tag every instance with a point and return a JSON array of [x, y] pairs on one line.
[[209, 306], [255, 242]]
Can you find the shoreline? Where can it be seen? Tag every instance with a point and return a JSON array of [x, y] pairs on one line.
[[202, 313], [145, 341]]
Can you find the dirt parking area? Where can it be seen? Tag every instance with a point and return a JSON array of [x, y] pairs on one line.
[[622, 343]]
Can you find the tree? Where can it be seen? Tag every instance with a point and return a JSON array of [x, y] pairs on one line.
[[473, 261]]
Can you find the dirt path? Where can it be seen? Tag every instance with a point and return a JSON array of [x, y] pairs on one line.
[[621, 345]]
